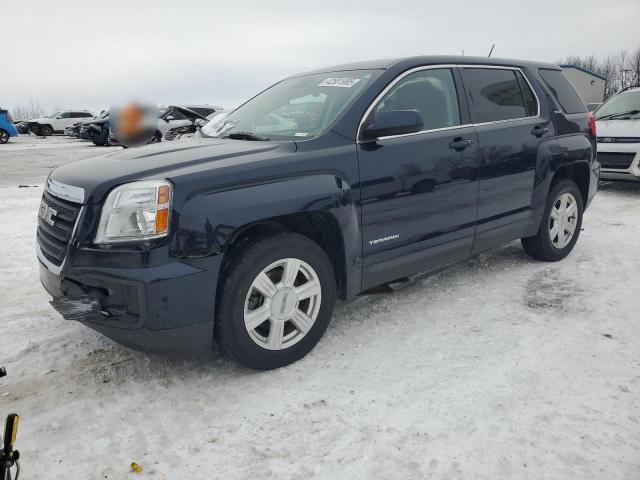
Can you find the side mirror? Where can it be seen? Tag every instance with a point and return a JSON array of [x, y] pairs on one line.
[[169, 117], [395, 122]]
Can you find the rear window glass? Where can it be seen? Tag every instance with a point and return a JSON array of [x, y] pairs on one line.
[[495, 93], [562, 90]]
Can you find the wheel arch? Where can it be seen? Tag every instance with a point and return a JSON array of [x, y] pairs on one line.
[[320, 227], [318, 206], [578, 172]]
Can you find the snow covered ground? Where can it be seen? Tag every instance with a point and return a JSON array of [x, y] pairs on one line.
[[498, 368]]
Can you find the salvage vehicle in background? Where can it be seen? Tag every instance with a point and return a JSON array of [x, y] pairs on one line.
[[249, 237], [618, 122], [7, 128], [22, 127], [57, 122], [97, 130], [197, 122], [174, 116], [75, 130]]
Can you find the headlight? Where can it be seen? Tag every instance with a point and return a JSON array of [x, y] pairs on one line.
[[135, 211]]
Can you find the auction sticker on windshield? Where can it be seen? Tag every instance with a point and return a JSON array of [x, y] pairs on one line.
[[339, 82]]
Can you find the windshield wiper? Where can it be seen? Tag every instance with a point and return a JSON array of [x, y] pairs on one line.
[[621, 114], [247, 136]]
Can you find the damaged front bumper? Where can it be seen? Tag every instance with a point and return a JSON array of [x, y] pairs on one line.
[[162, 308]]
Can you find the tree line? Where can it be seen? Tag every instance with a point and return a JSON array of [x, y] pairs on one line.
[[621, 70]]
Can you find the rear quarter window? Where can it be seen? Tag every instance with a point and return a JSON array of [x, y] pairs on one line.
[[562, 90]]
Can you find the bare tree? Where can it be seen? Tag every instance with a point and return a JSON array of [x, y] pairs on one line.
[[26, 112], [620, 70]]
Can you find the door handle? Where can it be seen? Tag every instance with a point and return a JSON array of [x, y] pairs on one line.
[[458, 144], [539, 130]]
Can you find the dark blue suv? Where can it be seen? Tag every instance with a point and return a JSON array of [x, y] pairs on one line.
[[321, 187]]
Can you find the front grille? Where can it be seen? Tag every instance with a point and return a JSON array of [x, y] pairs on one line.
[[53, 238], [615, 159]]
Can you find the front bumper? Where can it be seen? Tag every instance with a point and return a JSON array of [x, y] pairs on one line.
[[166, 307], [623, 171]]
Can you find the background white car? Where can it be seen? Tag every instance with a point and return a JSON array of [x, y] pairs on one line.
[[618, 127], [58, 121]]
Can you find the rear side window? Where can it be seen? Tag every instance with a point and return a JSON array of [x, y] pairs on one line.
[[495, 93], [562, 90], [530, 101]]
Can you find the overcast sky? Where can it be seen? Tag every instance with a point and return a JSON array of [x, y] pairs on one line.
[[79, 54]]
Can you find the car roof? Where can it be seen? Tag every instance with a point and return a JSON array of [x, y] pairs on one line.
[[404, 63]]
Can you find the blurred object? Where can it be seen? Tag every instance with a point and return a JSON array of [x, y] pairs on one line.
[[134, 124], [8, 456], [170, 117], [3, 372], [135, 467]]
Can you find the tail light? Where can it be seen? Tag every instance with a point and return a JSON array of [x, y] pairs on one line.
[[592, 124]]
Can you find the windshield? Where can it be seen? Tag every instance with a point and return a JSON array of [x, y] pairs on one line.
[[297, 108], [623, 106], [53, 115]]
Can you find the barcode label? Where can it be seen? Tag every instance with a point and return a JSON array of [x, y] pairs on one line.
[[339, 82]]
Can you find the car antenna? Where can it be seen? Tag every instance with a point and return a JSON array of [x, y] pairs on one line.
[[491, 51]]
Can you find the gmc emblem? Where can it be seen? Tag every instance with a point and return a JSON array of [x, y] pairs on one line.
[[47, 213]]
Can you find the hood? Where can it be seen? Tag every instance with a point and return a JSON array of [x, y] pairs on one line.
[[41, 119], [99, 174], [190, 114], [618, 128]]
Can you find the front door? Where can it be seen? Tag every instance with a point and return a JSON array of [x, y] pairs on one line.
[[419, 191]]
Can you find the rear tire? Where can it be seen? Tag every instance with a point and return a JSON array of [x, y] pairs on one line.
[[46, 130], [560, 226], [4, 136], [276, 328]]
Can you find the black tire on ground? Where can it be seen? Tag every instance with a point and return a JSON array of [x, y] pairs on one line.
[[541, 246], [46, 130], [4, 136], [238, 274]]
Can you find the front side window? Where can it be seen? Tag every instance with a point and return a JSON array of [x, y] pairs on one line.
[[297, 108], [66, 115], [495, 93], [432, 92], [624, 106]]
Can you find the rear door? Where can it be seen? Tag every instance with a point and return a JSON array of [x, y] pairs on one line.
[[419, 191], [506, 112]]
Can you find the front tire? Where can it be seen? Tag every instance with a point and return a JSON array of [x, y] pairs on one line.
[[560, 226], [4, 136], [46, 130], [275, 300]]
